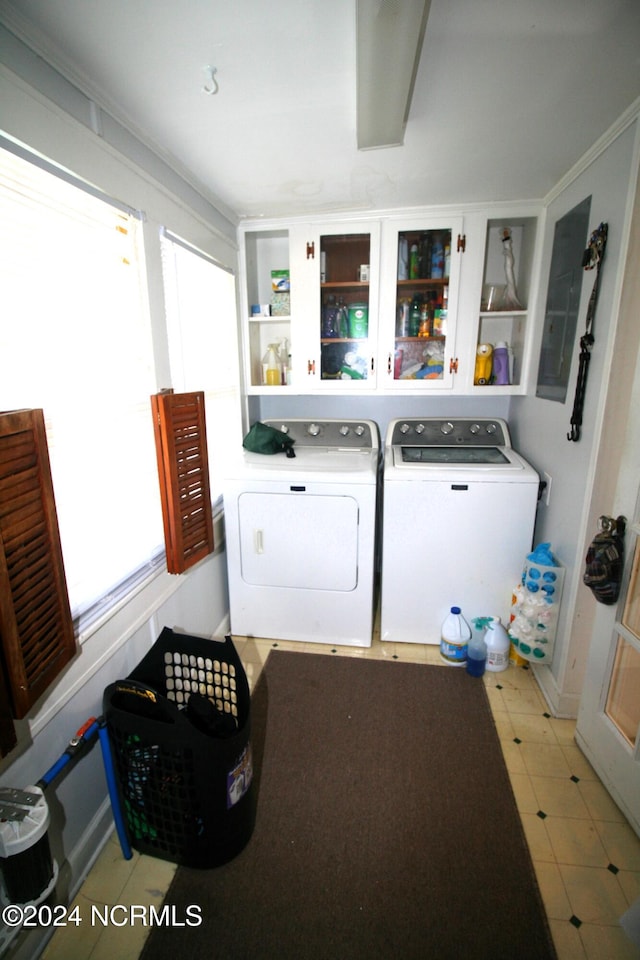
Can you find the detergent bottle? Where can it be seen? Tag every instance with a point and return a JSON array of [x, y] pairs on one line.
[[484, 363], [501, 364], [454, 638], [498, 645]]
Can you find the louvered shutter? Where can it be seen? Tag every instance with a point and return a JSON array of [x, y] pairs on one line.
[[183, 471], [36, 629], [8, 737]]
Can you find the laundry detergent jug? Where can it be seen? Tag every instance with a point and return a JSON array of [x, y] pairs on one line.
[[498, 645], [455, 634], [358, 320]]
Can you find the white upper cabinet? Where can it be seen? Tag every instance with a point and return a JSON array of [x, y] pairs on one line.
[[387, 305]]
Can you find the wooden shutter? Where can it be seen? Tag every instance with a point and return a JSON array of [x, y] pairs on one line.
[[36, 629], [8, 736], [183, 471]]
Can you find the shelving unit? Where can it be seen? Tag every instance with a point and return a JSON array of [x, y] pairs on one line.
[[264, 252], [506, 324]]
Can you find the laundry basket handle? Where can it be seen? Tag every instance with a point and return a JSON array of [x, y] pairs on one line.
[[142, 700]]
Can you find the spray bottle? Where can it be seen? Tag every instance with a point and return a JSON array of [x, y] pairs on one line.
[[477, 649]]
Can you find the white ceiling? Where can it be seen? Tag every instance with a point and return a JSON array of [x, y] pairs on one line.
[[508, 96]]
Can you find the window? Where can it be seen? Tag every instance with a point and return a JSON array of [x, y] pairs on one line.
[[203, 341], [75, 340]]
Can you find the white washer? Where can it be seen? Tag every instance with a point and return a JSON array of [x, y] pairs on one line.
[[301, 535], [459, 511]]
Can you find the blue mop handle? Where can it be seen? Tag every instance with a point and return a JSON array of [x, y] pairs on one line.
[[107, 758], [83, 737]]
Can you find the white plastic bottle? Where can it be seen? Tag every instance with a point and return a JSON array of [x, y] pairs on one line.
[[455, 634], [498, 645]]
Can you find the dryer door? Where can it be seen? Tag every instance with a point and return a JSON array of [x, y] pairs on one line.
[[305, 541]]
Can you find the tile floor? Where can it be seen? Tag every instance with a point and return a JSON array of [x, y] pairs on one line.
[[586, 856]]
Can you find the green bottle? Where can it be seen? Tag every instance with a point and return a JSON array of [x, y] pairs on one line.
[[414, 318]]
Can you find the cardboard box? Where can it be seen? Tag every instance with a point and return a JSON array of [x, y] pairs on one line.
[[280, 281]]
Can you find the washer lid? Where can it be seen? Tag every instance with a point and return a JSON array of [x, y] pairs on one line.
[[457, 455], [457, 464]]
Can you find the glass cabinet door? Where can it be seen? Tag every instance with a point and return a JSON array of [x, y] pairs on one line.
[[347, 307], [424, 263]]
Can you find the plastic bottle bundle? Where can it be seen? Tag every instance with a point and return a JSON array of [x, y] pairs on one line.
[[537, 601]]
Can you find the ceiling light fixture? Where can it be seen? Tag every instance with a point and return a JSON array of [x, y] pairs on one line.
[[389, 36]]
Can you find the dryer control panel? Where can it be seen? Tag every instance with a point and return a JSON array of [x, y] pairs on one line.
[[351, 434]]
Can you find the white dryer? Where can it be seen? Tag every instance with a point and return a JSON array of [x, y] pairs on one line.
[[301, 535], [459, 510]]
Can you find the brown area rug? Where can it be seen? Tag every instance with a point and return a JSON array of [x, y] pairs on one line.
[[386, 827]]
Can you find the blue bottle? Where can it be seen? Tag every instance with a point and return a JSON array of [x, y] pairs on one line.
[[477, 649], [437, 258]]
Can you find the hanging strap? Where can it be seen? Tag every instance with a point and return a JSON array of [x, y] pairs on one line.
[[592, 257]]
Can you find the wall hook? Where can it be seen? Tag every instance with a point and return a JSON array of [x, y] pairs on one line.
[[213, 87]]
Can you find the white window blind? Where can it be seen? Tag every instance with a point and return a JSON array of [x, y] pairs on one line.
[[75, 340], [202, 328]]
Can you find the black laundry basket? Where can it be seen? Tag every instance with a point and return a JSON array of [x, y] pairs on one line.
[[186, 793]]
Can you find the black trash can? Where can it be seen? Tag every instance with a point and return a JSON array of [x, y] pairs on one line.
[[179, 727]]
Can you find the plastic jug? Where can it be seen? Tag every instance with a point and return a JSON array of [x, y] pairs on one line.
[[498, 645], [455, 634]]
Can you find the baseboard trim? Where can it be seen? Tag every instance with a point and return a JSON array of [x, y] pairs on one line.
[[564, 706]]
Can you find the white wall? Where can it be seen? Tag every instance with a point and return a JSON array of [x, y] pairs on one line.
[[194, 603], [541, 426]]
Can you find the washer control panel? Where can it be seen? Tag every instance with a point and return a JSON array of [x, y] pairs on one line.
[[438, 432], [349, 434]]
